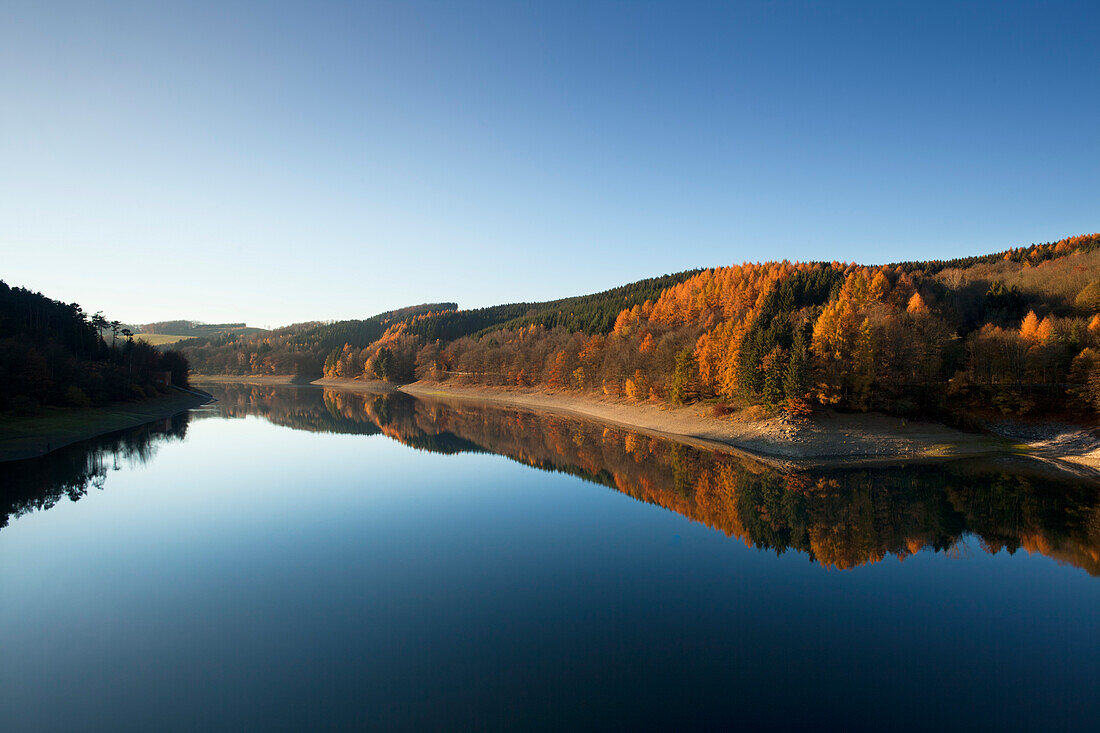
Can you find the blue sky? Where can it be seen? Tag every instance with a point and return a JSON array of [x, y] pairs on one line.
[[276, 162]]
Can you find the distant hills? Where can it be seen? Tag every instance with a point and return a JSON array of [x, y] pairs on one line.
[[305, 349], [163, 333]]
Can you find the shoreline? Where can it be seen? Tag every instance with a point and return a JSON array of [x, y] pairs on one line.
[[34, 437], [371, 386], [826, 439], [246, 379], [374, 386]]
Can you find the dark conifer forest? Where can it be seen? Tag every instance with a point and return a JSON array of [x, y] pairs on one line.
[[53, 353]]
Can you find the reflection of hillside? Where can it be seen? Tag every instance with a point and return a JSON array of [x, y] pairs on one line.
[[839, 518], [39, 483], [298, 408]]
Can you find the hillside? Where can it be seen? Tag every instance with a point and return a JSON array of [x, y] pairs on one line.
[[589, 314], [1011, 333], [298, 349], [336, 348]]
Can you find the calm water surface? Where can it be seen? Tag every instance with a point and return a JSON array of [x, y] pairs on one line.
[[296, 559]]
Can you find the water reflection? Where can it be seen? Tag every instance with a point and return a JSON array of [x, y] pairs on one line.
[[39, 483], [839, 518]]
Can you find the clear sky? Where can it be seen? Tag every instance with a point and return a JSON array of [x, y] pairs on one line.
[[275, 162]]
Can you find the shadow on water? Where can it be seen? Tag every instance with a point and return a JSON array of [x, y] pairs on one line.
[[840, 518], [39, 483]]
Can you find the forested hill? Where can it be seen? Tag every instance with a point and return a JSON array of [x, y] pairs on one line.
[[310, 350], [53, 353], [1010, 260], [326, 337], [297, 349], [1014, 332], [589, 314]]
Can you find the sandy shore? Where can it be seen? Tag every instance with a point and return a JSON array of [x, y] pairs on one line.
[[826, 438]]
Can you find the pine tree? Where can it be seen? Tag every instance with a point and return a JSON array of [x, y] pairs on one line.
[[796, 379], [773, 369], [682, 386], [863, 366]]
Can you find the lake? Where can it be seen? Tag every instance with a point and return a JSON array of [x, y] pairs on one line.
[[294, 558]]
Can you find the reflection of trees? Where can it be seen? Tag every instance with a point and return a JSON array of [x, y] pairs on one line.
[[840, 518], [300, 408], [332, 411], [39, 483]]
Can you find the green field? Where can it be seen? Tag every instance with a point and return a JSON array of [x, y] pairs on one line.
[[160, 339], [166, 339]]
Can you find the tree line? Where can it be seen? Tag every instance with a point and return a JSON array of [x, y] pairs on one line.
[[341, 348], [299, 349], [801, 336], [53, 353]]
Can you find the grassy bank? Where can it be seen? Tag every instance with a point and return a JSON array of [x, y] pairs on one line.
[[28, 437]]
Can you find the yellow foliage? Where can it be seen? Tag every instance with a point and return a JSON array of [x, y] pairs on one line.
[[1030, 325], [917, 305], [880, 286], [1045, 330], [717, 353], [631, 390], [636, 387]]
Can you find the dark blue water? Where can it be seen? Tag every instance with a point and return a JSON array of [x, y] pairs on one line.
[[295, 560]]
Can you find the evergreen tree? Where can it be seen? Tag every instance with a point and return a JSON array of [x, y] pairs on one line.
[[796, 379], [682, 388]]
